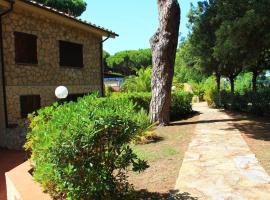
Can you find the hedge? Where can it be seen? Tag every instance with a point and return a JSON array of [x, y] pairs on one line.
[[81, 150]]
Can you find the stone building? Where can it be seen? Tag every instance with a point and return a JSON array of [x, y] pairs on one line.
[[41, 49]]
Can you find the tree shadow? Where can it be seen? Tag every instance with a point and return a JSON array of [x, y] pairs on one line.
[[207, 121], [171, 195], [253, 126], [185, 117]]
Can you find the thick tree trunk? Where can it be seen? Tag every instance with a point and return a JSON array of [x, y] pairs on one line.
[[254, 80], [164, 44], [232, 85], [218, 76], [218, 82]]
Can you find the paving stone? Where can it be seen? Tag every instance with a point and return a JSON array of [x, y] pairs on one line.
[[219, 164]]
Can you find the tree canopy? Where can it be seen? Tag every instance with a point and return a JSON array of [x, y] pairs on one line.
[[128, 62], [230, 36], [73, 7]]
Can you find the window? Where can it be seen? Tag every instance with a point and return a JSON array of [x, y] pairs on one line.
[[29, 104], [71, 54], [25, 48]]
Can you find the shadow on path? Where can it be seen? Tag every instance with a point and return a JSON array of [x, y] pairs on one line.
[[255, 127], [172, 195], [207, 121]]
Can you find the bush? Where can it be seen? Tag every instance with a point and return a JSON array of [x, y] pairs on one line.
[[80, 150], [180, 105], [256, 103]]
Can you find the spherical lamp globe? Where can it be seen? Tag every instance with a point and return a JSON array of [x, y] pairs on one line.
[[61, 92]]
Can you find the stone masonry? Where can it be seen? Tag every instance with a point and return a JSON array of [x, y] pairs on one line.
[[42, 78]]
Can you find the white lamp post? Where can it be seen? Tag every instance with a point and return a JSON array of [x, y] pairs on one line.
[[61, 92]]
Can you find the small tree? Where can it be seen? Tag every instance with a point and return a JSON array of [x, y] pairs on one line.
[[164, 44]]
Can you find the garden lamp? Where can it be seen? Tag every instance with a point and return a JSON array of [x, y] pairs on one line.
[[61, 92]]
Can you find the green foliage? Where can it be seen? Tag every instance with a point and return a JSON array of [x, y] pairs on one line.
[[139, 83], [180, 104], [73, 7], [81, 150], [187, 65], [256, 103], [108, 91], [127, 62]]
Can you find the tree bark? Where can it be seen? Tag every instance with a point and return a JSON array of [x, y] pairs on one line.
[[164, 44], [218, 82], [232, 85], [254, 80]]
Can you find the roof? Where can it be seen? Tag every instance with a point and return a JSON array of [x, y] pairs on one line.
[[108, 33]]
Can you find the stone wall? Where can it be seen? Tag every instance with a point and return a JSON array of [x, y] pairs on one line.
[[42, 78]]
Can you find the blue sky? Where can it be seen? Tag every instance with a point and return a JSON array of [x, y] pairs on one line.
[[134, 20]]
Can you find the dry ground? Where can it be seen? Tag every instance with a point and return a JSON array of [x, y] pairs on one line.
[[165, 157]]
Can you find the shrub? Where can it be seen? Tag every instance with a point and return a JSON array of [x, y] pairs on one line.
[[80, 150], [256, 103], [180, 105]]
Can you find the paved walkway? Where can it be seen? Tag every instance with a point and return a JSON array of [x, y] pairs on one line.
[[219, 164]]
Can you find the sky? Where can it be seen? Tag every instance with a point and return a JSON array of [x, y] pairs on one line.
[[134, 20]]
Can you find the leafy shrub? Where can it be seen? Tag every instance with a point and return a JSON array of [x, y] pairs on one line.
[[180, 105], [108, 91], [80, 150], [139, 83], [256, 103]]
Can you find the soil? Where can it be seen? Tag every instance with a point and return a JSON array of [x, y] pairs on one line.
[[165, 157]]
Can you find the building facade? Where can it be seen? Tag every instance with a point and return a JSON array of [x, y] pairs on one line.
[[42, 49]]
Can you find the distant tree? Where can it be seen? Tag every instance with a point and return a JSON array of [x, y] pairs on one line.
[[164, 44], [128, 62], [106, 55], [73, 7], [203, 25], [187, 65]]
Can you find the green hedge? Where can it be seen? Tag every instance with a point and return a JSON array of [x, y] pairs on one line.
[[256, 103], [180, 106], [80, 150]]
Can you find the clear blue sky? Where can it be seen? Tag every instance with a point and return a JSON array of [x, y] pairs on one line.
[[134, 20]]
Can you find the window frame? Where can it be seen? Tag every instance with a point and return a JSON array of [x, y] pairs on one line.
[[63, 63], [18, 59]]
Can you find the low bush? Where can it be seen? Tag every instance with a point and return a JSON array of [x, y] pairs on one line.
[[256, 103], [81, 150], [180, 105]]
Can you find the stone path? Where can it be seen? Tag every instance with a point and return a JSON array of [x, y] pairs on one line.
[[219, 164]]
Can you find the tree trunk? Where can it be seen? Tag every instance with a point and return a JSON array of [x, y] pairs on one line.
[[232, 85], [254, 80], [218, 76], [218, 82], [164, 44]]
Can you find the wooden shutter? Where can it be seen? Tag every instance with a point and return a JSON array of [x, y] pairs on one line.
[[25, 48], [29, 104], [71, 54]]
